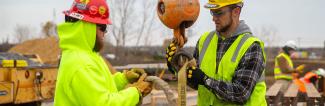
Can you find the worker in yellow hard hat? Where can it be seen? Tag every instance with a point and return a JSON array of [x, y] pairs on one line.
[[231, 61], [84, 79]]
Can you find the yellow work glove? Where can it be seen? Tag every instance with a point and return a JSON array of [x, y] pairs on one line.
[[143, 87], [170, 51], [133, 74], [301, 68]]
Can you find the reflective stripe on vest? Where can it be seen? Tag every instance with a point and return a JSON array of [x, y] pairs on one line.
[[226, 67], [208, 40], [277, 70]]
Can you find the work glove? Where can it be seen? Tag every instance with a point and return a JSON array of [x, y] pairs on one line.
[[143, 87], [195, 77], [170, 52], [133, 75], [176, 58], [300, 68]]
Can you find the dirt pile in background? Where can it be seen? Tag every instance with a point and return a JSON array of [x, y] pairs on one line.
[[46, 48]]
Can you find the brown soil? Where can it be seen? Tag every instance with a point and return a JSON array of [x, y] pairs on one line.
[[46, 48]]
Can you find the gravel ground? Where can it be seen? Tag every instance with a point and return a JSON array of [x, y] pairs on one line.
[[160, 99]]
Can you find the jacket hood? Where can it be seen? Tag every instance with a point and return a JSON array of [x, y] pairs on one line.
[[80, 36], [242, 28]]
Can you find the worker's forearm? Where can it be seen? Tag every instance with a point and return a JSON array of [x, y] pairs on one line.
[[237, 91], [288, 70], [120, 80], [94, 92]]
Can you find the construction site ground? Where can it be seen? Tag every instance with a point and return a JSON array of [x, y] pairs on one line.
[[157, 97]]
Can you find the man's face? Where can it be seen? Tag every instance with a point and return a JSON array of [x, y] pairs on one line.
[[100, 37], [222, 18], [293, 54]]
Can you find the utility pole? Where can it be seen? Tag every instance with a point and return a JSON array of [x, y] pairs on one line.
[[324, 50], [299, 42], [54, 15]]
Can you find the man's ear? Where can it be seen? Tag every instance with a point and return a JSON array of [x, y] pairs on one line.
[[236, 11]]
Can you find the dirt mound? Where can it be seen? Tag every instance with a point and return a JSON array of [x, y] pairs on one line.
[[46, 48]]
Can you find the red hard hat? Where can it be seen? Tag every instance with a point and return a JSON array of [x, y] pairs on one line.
[[94, 11]]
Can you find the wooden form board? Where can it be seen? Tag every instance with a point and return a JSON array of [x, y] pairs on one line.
[[273, 94], [313, 97], [274, 89]]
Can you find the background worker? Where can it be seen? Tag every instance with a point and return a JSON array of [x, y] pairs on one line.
[[231, 62], [310, 77], [314, 76], [83, 77], [283, 68]]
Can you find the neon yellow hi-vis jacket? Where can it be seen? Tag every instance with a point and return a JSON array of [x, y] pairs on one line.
[[83, 77]]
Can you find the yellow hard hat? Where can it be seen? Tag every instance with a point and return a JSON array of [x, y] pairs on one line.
[[216, 4]]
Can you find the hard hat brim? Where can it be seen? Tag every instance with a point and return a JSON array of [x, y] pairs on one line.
[[87, 18], [217, 6], [212, 6]]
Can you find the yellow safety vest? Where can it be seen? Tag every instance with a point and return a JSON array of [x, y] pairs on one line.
[[226, 68], [278, 72]]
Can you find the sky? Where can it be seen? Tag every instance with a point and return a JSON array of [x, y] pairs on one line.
[[298, 20]]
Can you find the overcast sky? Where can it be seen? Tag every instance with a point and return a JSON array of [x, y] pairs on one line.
[[299, 20]]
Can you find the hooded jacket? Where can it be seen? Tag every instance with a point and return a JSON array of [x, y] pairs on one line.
[[83, 76]]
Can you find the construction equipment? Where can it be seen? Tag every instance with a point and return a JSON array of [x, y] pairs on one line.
[[24, 79], [178, 15]]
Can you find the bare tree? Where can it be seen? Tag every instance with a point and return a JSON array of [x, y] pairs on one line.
[[22, 33], [48, 29], [148, 23], [5, 39], [133, 21], [122, 16], [268, 34], [5, 45]]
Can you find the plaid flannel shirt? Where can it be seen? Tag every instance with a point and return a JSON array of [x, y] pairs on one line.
[[246, 75]]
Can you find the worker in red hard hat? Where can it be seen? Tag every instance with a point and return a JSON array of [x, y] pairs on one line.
[[83, 76]]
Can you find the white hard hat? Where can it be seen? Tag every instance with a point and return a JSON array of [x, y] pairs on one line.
[[321, 72], [292, 44]]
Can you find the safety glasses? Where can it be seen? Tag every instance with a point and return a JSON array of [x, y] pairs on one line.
[[219, 13], [102, 27]]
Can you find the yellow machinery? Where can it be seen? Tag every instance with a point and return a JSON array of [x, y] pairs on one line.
[[24, 79]]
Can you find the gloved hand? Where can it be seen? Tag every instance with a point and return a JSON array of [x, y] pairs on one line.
[[195, 77], [176, 58], [170, 52], [133, 75], [300, 68], [143, 87]]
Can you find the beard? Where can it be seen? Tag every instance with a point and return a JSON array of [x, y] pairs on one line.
[[99, 45], [227, 26]]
